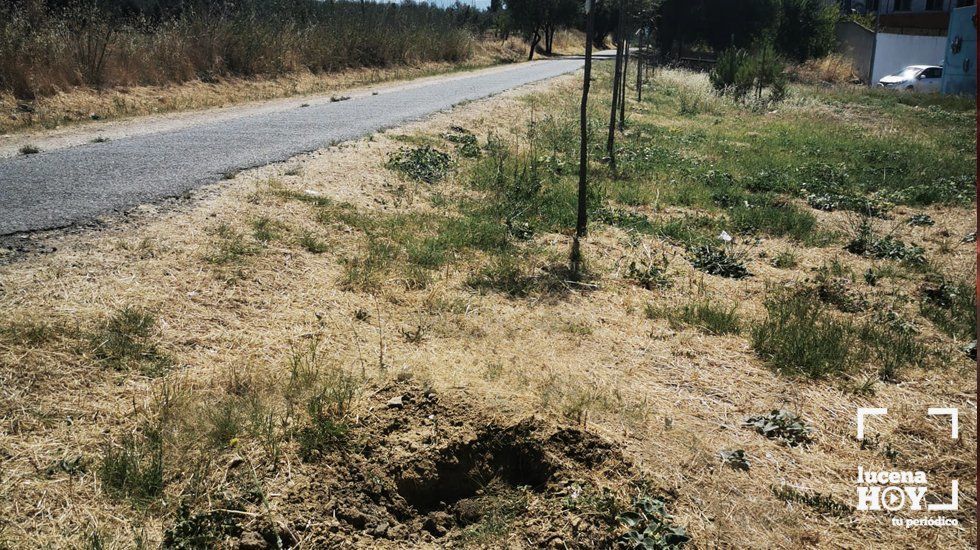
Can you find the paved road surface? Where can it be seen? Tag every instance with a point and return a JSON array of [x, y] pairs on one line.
[[62, 187]]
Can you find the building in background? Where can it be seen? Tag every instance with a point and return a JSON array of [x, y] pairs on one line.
[[960, 62], [912, 32]]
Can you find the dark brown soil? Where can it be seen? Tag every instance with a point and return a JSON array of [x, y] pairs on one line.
[[441, 472]]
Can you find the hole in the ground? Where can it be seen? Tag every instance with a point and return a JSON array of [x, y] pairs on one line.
[[461, 470]]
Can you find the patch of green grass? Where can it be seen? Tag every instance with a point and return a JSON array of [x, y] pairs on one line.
[[784, 260], [704, 314], [799, 336], [834, 285], [312, 243], [225, 422], [774, 218], [688, 231], [497, 513], [893, 348], [134, 466], [265, 230], [824, 504], [125, 341], [951, 307], [228, 246], [30, 333], [507, 274]]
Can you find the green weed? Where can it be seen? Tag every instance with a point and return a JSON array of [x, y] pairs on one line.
[[133, 467], [951, 306], [125, 342], [799, 337], [783, 425], [312, 243], [424, 163], [720, 261]]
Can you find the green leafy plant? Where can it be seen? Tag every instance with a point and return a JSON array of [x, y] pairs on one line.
[[920, 220], [783, 425], [735, 460], [720, 261], [651, 527], [466, 143], [423, 163], [649, 271], [866, 242]]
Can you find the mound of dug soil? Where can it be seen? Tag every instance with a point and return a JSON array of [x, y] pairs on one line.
[[428, 470]]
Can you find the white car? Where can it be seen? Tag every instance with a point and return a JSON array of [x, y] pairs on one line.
[[918, 78]]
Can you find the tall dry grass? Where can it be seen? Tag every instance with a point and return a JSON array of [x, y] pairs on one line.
[[834, 68], [45, 49]]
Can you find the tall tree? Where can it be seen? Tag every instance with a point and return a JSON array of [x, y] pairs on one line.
[[540, 19]]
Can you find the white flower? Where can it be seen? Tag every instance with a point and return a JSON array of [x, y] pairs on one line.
[[725, 237]]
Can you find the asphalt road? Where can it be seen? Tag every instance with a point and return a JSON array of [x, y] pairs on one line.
[[63, 187]]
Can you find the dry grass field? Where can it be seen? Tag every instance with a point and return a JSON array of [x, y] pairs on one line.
[[378, 344]]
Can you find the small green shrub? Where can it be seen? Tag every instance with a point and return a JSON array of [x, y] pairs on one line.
[[799, 337], [466, 143], [720, 261], [265, 230], [735, 460], [783, 425], [30, 150], [834, 285], [738, 72], [920, 220], [203, 530], [423, 163], [649, 271], [328, 409]]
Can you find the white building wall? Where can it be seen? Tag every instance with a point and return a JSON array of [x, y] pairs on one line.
[[895, 51]]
